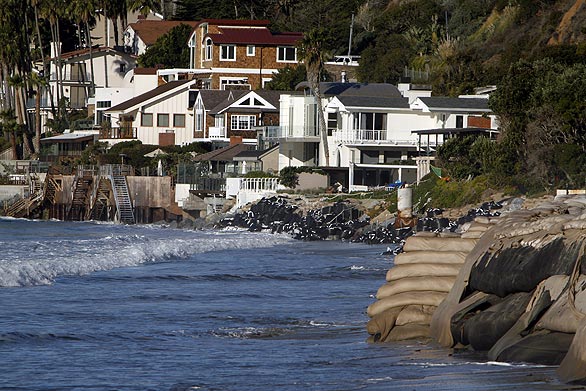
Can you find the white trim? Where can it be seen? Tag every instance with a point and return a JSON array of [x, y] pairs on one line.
[[254, 71], [287, 61], [227, 47], [250, 53]]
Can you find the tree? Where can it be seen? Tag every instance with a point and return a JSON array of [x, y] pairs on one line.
[[83, 11], [145, 7], [312, 51], [169, 50], [287, 78]]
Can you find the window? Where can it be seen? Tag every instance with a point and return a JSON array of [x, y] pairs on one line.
[[250, 49], [179, 120], [459, 121], [102, 104], [122, 68], [162, 120], [243, 122], [209, 46], [332, 123], [146, 119], [228, 53], [198, 120], [286, 54]]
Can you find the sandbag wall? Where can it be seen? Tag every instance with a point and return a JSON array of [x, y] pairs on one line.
[[419, 280], [521, 294]]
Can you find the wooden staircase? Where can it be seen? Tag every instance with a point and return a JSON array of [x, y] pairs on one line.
[[24, 207], [100, 204], [82, 187]]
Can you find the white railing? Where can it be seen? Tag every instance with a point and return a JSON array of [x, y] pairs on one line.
[[360, 136], [217, 132], [259, 185]]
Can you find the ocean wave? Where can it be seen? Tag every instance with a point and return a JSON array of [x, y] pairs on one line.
[[40, 262]]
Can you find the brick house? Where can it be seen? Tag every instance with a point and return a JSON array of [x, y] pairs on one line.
[[239, 54]]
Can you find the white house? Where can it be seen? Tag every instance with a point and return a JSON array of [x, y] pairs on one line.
[[373, 129], [139, 36], [161, 116], [110, 67]]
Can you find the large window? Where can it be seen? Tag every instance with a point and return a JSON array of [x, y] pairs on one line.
[[179, 120], [286, 54], [228, 53], [146, 119], [162, 120], [243, 122]]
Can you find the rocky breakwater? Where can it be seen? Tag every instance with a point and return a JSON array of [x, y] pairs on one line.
[[315, 220], [419, 280], [521, 293]]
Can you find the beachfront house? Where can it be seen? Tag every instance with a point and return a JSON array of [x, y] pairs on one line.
[[378, 134], [161, 116], [139, 36]]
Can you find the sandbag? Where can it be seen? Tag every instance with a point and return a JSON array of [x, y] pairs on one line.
[[545, 348], [415, 314], [485, 328], [381, 324], [422, 269], [406, 298], [560, 316], [430, 257], [521, 269], [472, 235], [418, 243], [409, 284], [409, 331], [573, 366]]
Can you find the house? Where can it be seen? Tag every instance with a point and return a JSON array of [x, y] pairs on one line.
[[266, 160], [65, 147], [110, 66], [223, 114], [376, 132], [222, 161], [239, 54], [161, 116], [139, 36]]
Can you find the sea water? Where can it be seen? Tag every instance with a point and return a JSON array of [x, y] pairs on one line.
[[87, 306]]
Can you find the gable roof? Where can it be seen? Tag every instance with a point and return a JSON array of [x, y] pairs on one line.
[[150, 30], [223, 154], [254, 36], [148, 95], [442, 103], [271, 97], [254, 154], [212, 98]]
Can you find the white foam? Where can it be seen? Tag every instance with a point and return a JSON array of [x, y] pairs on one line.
[[40, 262]]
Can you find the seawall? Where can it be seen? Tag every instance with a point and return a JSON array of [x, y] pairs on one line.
[[518, 295]]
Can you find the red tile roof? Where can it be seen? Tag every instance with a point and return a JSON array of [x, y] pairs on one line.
[[150, 30], [256, 36]]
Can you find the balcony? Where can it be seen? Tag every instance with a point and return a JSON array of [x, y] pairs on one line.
[[370, 137], [126, 133], [217, 132], [292, 133]]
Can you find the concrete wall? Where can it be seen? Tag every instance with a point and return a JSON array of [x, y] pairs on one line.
[[9, 191], [311, 181]]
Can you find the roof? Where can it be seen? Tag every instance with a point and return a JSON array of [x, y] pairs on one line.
[[444, 102], [223, 154], [145, 71], [272, 97], [148, 95], [369, 101], [357, 89], [95, 50], [235, 22], [254, 36], [254, 154], [150, 30], [69, 137], [212, 98]]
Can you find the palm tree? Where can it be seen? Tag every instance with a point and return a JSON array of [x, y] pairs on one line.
[[145, 6], [312, 51], [84, 11], [39, 83]]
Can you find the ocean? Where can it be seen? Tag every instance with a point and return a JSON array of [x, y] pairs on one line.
[[88, 306]]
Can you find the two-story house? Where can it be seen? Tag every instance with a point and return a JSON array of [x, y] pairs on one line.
[[239, 54], [374, 130], [110, 66], [139, 36]]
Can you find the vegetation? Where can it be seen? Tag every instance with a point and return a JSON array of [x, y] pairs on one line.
[[170, 50]]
